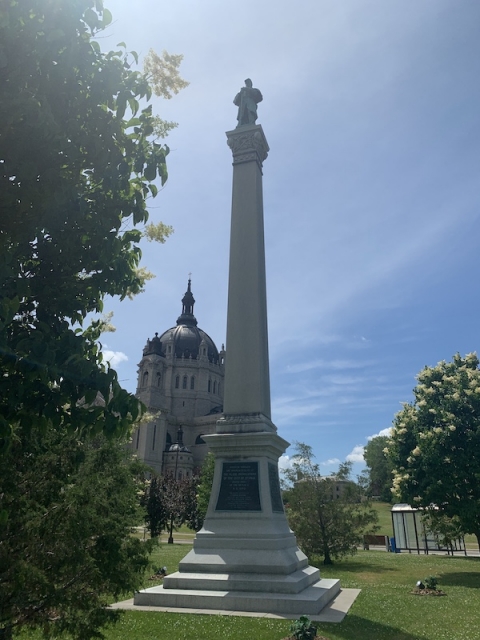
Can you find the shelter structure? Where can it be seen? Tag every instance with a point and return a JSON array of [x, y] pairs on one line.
[[411, 534]]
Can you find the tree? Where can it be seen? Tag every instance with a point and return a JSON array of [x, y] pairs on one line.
[[191, 515], [435, 444], [379, 474], [327, 513], [170, 502], [204, 488], [156, 511], [77, 162], [74, 178], [66, 547]]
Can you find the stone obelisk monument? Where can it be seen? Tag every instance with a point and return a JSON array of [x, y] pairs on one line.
[[245, 558]]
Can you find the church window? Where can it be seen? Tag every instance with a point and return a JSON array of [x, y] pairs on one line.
[[215, 387], [204, 351], [209, 386], [159, 379], [180, 475], [177, 382], [192, 382], [169, 348], [138, 436], [218, 389], [154, 435], [184, 384], [169, 439], [145, 378]]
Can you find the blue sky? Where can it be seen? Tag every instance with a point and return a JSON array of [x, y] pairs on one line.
[[371, 196]]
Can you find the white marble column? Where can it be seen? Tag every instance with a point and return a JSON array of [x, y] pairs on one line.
[[247, 379]]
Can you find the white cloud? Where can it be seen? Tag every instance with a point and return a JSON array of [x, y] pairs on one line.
[[356, 455], [284, 462], [329, 462], [114, 357], [383, 432]]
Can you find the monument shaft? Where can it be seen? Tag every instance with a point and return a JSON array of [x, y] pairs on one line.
[[247, 380]]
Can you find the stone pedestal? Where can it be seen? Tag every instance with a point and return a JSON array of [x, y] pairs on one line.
[[245, 558]]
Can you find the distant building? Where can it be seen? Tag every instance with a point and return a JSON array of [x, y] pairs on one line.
[[180, 380]]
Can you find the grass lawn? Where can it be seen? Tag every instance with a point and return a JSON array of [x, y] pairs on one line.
[[384, 610], [384, 518]]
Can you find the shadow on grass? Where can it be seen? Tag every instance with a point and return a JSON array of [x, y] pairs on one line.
[[362, 629], [460, 579]]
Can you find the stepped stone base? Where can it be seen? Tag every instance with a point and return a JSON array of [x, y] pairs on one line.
[[310, 601], [245, 558]]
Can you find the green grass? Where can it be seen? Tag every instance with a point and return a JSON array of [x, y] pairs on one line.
[[384, 610], [384, 518]]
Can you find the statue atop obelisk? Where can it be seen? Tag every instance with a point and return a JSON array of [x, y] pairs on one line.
[[245, 558]]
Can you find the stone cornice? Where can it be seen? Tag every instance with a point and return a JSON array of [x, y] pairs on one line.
[[245, 423]]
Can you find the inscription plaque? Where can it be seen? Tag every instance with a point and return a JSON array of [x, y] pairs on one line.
[[239, 489], [275, 494]]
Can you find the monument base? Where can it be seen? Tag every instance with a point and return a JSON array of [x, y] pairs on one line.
[[310, 601], [245, 558]]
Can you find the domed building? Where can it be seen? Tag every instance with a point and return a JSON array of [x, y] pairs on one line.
[[180, 380]]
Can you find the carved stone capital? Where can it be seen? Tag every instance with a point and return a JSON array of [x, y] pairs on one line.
[[248, 143]]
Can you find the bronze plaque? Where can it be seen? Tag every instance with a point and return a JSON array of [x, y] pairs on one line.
[[239, 489]]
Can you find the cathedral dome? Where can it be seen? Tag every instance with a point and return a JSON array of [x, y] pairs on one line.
[[187, 338]]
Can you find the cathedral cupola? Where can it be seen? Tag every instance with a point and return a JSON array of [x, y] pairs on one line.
[[187, 317]]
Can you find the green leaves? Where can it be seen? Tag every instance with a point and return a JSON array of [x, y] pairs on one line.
[[329, 515], [77, 162], [67, 510], [435, 446]]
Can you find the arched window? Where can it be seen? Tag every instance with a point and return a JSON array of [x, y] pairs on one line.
[[184, 384], [180, 475], [159, 379], [145, 378], [209, 386], [138, 436], [177, 382], [215, 387], [192, 382], [218, 389], [154, 436]]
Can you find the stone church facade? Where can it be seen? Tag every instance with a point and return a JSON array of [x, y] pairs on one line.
[[180, 380]]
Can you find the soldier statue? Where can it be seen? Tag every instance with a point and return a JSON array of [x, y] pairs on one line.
[[246, 100]]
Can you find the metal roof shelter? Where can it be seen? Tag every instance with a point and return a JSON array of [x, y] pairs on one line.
[[411, 534]]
